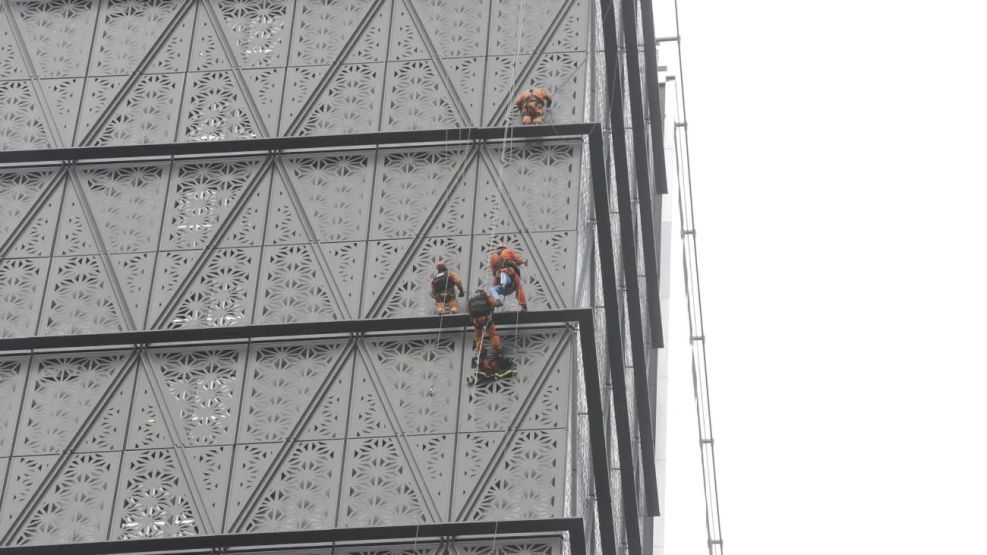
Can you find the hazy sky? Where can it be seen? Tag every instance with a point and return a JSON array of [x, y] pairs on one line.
[[838, 153]]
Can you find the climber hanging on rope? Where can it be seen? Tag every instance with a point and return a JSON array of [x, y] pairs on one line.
[[492, 366], [445, 283], [532, 103], [505, 264], [480, 308]]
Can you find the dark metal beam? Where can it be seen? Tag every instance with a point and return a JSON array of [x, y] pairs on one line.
[[628, 257], [354, 140], [418, 533], [615, 345], [643, 181], [657, 130]]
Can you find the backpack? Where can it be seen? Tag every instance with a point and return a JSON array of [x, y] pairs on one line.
[[442, 284], [479, 305]]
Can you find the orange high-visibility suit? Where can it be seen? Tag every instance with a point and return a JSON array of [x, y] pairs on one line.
[[444, 286], [506, 261], [532, 103], [481, 309]]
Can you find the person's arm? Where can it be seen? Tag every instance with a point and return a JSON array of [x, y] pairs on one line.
[[456, 281]]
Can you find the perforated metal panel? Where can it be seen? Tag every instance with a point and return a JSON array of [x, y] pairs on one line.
[[84, 72], [281, 436]]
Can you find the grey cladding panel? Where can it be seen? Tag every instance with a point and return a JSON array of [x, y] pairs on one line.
[[293, 238], [80, 72], [280, 436]]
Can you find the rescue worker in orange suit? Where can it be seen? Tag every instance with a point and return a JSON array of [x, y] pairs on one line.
[[506, 264], [532, 103], [445, 283], [481, 309]]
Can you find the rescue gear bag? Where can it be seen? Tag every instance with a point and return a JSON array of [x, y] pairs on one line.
[[479, 305]]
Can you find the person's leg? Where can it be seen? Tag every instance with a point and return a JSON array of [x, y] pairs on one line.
[[526, 119], [440, 306], [494, 338], [453, 305], [477, 334], [519, 290]]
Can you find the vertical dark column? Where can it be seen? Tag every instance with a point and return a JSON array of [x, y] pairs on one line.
[[627, 236]]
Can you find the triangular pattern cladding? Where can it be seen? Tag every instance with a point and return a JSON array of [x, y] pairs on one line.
[[257, 31], [13, 373], [207, 51], [153, 498], [37, 236], [210, 468], [126, 32], [11, 58], [539, 287], [294, 288], [496, 405], [247, 229], [63, 96], [250, 464], [282, 381], [560, 248], [126, 201], [75, 237], [202, 388], [407, 295], [466, 75], [493, 212], [322, 29], [328, 421], [215, 109], [420, 376], [410, 185], [22, 123], [222, 294], [96, 98], [134, 273], [147, 425], [457, 28], [21, 291], [572, 34], [303, 494], [23, 479], [284, 227], [527, 482], [78, 505], [518, 25], [266, 87], [79, 298], [346, 264], [406, 40], [544, 182], [201, 198], [171, 268], [550, 408], [108, 431], [58, 34], [474, 453], [379, 487], [418, 99], [433, 456], [21, 190], [368, 413], [350, 103], [335, 192], [148, 113], [62, 391], [173, 57]]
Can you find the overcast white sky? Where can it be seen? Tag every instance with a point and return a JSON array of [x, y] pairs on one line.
[[838, 153]]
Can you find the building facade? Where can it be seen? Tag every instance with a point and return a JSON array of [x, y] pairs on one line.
[[218, 219]]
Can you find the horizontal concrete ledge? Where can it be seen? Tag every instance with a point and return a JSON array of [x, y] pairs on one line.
[[274, 144], [324, 538]]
